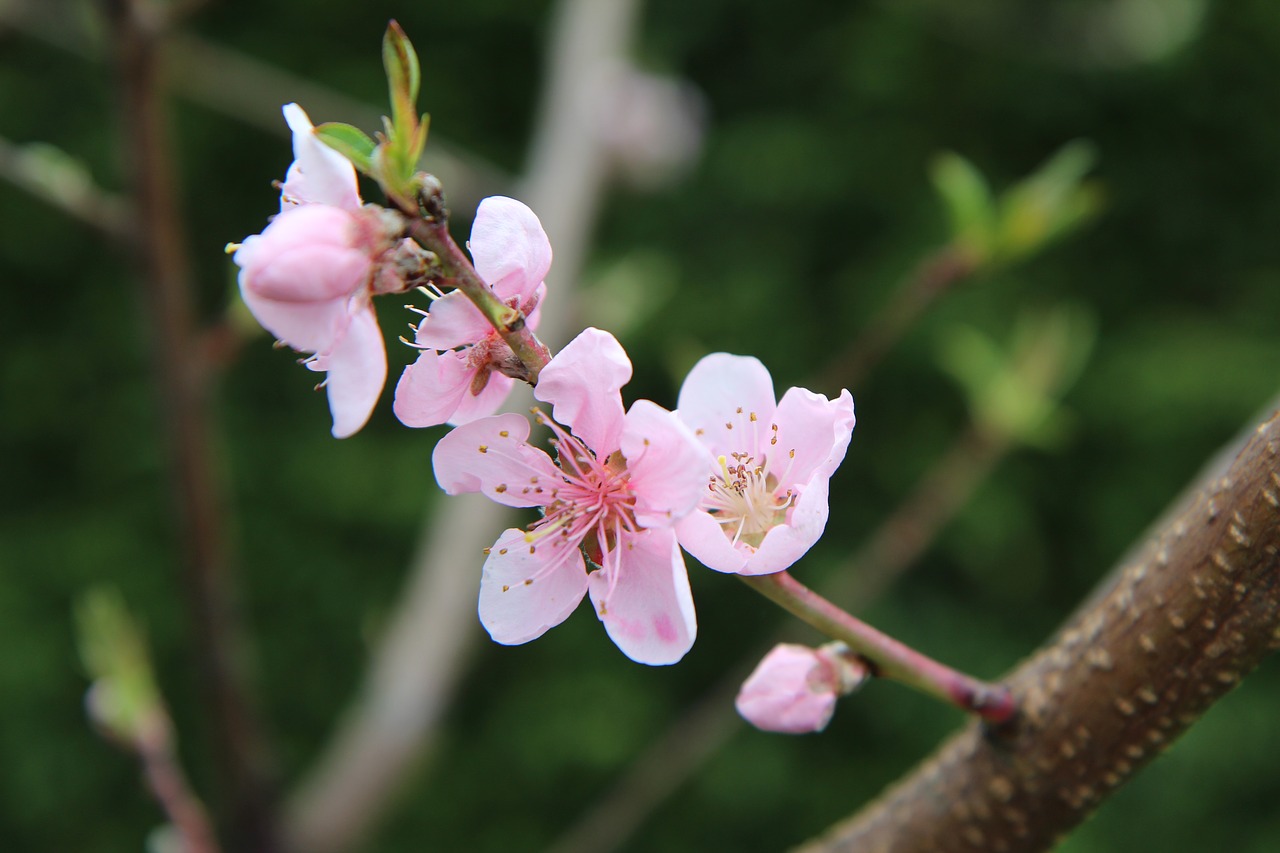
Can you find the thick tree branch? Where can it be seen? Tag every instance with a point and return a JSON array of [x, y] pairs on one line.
[[1175, 627]]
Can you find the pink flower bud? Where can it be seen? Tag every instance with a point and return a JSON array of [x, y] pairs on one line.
[[308, 280], [794, 689]]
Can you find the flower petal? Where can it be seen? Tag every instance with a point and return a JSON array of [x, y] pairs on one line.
[[491, 456], [703, 537], [510, 249], [583, 383], [525, 590], [648, 612], [719, 396], [786, 543], [319, 174], [668, 465], [356, 370], [305, 326], [454, 321], [431, 389], [817, 429]]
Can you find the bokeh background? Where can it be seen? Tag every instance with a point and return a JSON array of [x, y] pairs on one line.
[[795, 200]]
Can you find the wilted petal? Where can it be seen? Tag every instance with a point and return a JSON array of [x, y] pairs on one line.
[[509, 247], [319, 174], [703, 537], [817, 429], [491, 456], [431, 389], [454, 321], [667, 463], [583, 383], [356, 370], [718, 397], [528, 588], [786, 543], [649, 612]]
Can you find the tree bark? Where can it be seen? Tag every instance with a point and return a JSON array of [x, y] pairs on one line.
[[1172, 629]]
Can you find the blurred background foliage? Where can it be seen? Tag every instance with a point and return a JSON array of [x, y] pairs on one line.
[[811, 200]]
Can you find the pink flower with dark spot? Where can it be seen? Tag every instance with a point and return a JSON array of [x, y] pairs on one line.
[[793, 690], [309, 277], [621, 480], [458, 376], [764, 501]]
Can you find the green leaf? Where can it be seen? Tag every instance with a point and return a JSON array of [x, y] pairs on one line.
[[968, 199], [1050, 203], [403, 77], [351, 142]]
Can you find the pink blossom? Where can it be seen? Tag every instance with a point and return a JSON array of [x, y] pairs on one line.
[[623, 479], [765, 499], [458, 375], [308, 278], [793, 690]]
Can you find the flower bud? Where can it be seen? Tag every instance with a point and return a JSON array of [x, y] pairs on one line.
[[794, 689]]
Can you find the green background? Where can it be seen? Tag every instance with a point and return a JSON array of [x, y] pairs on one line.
[[810, 201]]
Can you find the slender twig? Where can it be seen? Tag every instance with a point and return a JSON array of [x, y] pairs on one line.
[[1170, 630], [169, 786], [159, 245], [887, 657]]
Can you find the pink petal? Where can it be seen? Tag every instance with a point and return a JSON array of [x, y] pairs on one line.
[[356, 370], [817, 429], [319, 174], [474, 406], [454, 321], [582, 383], [431, 389], [305, 326], [723, 390], [510, 249], [669, 467], [786, 543], [522, 594], [491, 456], [792, 690], [703, 537], [649, 612]]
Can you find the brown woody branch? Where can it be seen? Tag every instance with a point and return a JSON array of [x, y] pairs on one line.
[[1173, 629]]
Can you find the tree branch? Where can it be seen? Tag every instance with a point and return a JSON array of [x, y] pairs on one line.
[[160, 250], [1174, 628]]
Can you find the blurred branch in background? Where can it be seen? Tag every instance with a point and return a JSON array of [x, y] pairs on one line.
[[55, 177], [1044, 366], [181, 377], [249, 90], [415, 666], [125, 706], [1169, 632]]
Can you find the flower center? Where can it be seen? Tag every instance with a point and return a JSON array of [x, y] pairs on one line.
[[744, 497], [594, 502]]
